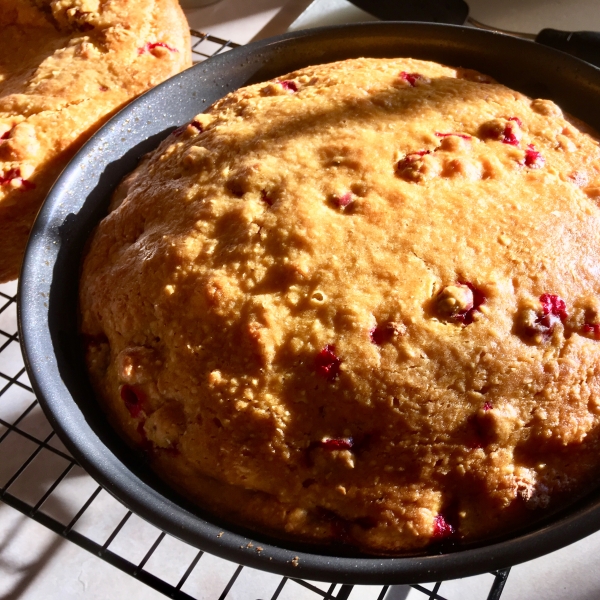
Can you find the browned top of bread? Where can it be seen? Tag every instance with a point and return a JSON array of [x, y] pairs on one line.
[[65, 67], [360, 301]]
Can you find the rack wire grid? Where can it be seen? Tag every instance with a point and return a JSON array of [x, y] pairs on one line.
[[39, 478]]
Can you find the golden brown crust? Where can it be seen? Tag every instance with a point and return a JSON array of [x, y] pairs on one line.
[[65, 67], [363, 300]]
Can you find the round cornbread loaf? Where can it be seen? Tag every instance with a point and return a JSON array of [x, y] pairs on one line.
[[359, 303], [65, 67]]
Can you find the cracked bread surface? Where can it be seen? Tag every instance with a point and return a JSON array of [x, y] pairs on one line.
[[66, 66], [358, 304]]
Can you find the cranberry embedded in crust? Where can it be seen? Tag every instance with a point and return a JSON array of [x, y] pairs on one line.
[[510, 136], [487, 406], [479, 298], [289, 85], [441, 528], [554, 305], [327, 364], [385, 332], [149, 46], [533, 158], [459, 302], [540, 325], [15, 174], [592, 329], [344, 200], [133, 400], [464, 136], [336, 443], [27, 185], [411, 78], [408, 167], [507, 131], [379, 335], [183, 127], [411, 158], [5, 135], [9, 176]]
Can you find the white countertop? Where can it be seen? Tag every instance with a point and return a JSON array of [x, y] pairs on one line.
[[36, 564]]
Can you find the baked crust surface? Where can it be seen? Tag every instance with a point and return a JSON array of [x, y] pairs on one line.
[[359, 303], [65, 67]]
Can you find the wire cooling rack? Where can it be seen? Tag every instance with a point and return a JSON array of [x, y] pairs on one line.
[[39, 478]]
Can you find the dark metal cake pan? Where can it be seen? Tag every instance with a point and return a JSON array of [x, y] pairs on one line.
[[48, 322]]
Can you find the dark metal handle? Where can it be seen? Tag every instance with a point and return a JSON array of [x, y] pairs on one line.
[[435, 11], [582, 44]]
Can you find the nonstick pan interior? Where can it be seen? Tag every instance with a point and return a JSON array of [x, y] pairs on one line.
[[79, 199]]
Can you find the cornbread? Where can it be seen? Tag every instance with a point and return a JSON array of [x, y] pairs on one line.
[[65, 67], [358, 304]]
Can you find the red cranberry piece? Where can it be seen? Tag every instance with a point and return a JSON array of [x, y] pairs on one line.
[[177, 132], [509, 136], [464, 136], [554, 305], [539, 324], [410, 159], [487, 406], [533, 159], [133, 400], [441, 528], [386, 331], [149, 46], [27, 185], [410, 78], [479, 298], [337, 443], [516, 120], [5, 135], [264, 196], [289, 85], [343, 200], [327, 364], [379, 335], [9, 176], [553, 311], [13, 174], [592, 329], [507, 133]]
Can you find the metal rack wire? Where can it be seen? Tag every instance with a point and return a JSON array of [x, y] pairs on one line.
[[39, 478]]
